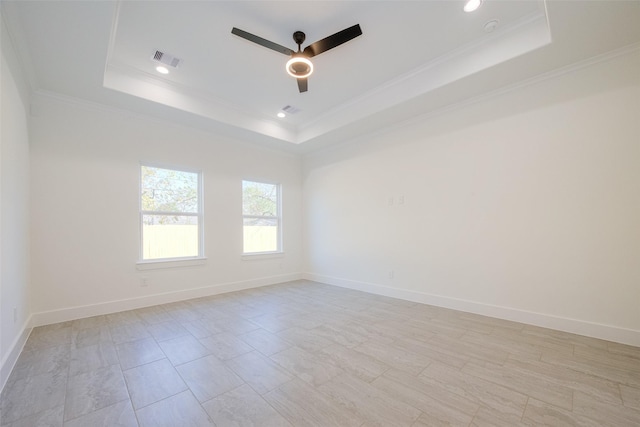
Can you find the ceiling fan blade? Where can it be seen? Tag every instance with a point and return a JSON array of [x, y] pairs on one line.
[[332, 41], [262, 42], [302, 84]]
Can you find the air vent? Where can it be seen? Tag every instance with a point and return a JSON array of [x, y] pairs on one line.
[[166, 59], [290, 109]]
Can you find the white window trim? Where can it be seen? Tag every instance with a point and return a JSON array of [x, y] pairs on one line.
[[267, 254], [159, 263], [148, 264]]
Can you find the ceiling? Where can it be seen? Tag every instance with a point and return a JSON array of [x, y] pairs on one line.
[[413, 59]]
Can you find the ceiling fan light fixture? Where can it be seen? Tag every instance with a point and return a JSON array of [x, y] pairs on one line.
[[299, 67], [472, 5]]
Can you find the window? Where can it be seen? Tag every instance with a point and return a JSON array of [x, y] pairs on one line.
[[170, 214], [261, 217]]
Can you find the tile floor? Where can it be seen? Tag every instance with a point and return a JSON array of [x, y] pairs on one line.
[[307, 354]]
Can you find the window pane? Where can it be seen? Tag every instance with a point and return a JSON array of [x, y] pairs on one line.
[[168, 190], [259, 199], [169, 236], [260, 235]]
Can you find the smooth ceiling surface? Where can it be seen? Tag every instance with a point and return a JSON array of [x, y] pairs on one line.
[[413, 58]]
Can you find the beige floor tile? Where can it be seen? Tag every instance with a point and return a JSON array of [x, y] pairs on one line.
[[48, 418], [303, 405], [260, 372], [200, 328], [338, 335], [624, 349], [488, 417], [235, 325], [501, 400], [513, 345], [89, 358], [153, 315], [630, 396], [208, 377], [542, 414], [127, 332], [372, 404], [265, 342], [153, 382], [524, 382], [358, 364], [243, 407], [432, 420], [593, 367], [32, 395], [139, 352], [607, 358], [90, 391], [433, 400], [167, 330], [183, 349], [600, 388], [450, 351], [183, 312], [606, 414], [91, 336], [122, 317], [179, 410], [117, 415], [304, 339], [394, 356], [309, 367], [52, 360], [89, 322], [225, 345], [369, 360], [48, 336]]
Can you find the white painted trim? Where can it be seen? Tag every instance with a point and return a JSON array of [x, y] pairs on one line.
[[11, 357], [574, 326], [170, 263], [79, 312]]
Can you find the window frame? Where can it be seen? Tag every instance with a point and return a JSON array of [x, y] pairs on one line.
[[171, 261], [279, 250]]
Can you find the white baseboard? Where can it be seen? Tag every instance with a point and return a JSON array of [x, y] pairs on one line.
[[80, 312], [11, 357], [580, 327]]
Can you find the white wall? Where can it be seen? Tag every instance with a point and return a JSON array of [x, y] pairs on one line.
[[525, 206], [85, 231], [14, 209]]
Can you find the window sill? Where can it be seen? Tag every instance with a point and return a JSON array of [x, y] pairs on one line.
[[169, 263], [262, 255]]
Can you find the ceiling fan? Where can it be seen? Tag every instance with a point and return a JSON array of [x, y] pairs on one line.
[[299, 66]]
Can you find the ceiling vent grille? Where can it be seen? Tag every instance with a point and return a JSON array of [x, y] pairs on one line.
[[166, 59], [290, 109]]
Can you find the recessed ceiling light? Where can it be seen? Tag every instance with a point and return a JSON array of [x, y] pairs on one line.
[[162, 70], [472, 5], [282, 115]]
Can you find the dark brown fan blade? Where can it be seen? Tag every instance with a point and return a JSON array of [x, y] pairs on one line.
[[302, 84], [332, 41], [262, 42]]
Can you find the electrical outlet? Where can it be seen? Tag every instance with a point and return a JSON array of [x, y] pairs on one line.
[[144, 282], [391, 274]]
